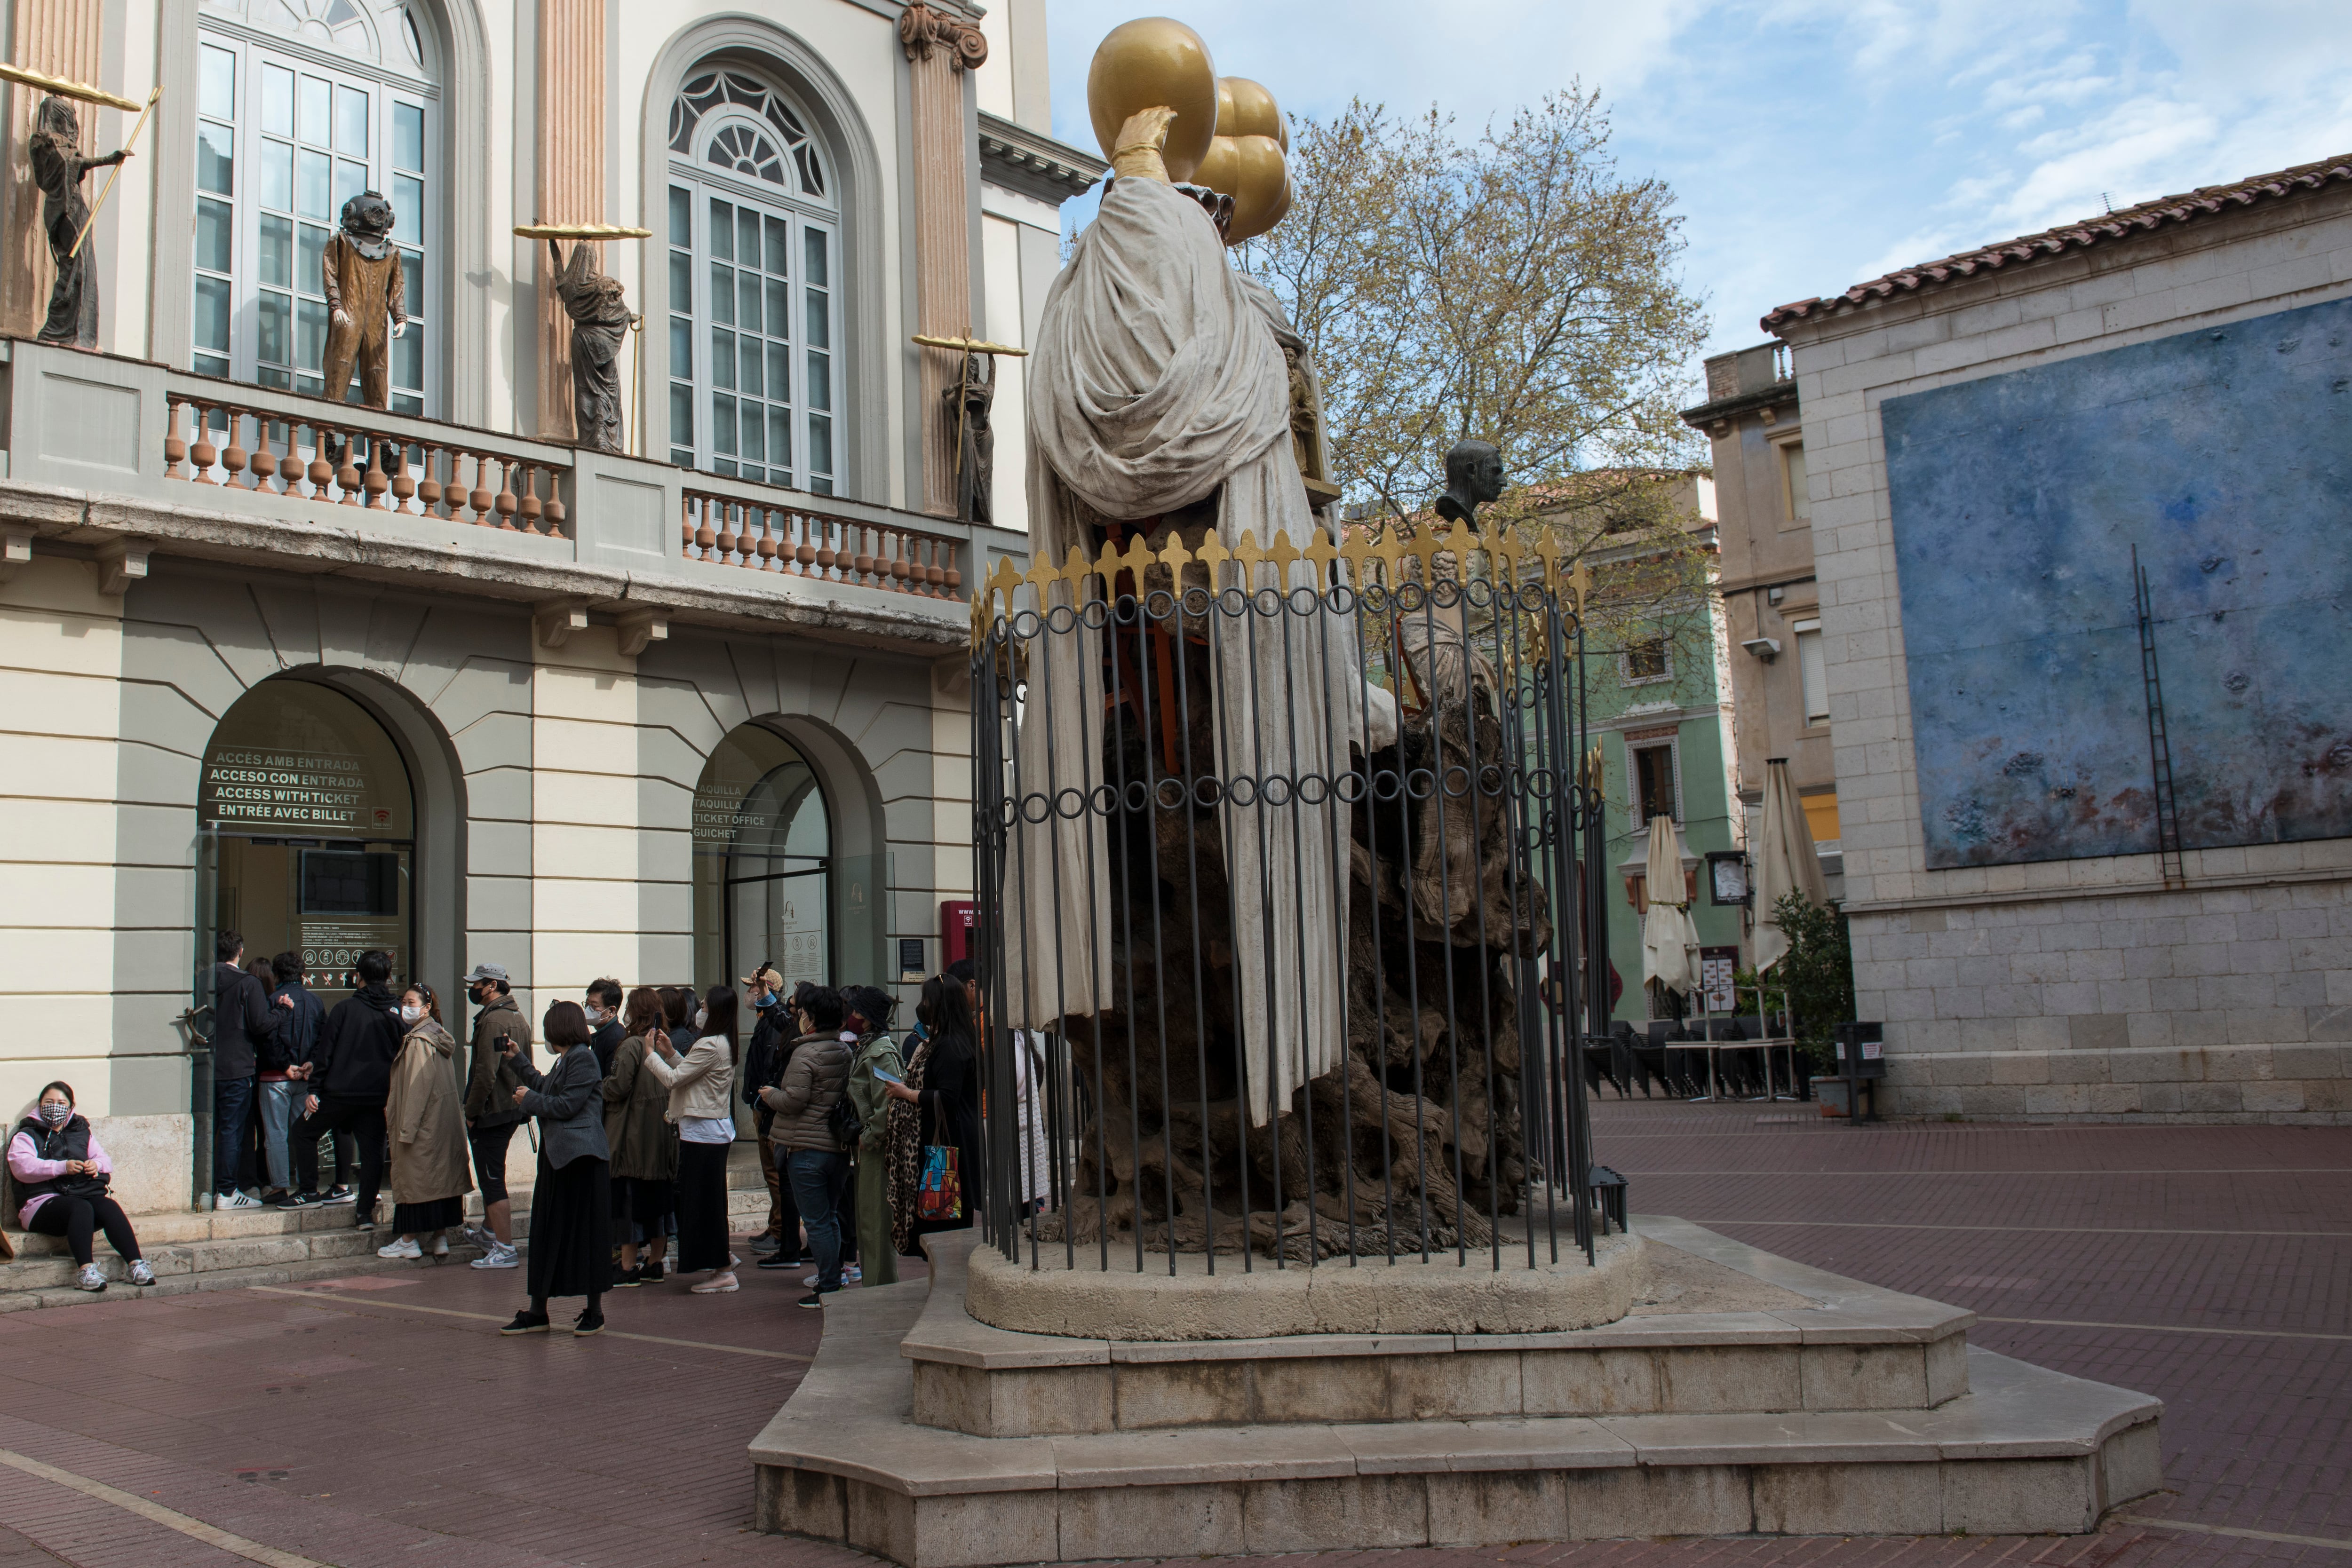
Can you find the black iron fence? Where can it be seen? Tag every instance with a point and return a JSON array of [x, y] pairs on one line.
[[1287, 921]]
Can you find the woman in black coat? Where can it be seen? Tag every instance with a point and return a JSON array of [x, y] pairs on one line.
[[571, 1208], [937, 1106]]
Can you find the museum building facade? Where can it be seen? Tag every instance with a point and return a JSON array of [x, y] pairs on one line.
[[439, 678]]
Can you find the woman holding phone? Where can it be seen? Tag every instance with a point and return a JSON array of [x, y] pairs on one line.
[[701, 1106], [572, 1211]]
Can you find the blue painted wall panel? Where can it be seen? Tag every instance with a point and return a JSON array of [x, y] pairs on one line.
[[2225, 456]]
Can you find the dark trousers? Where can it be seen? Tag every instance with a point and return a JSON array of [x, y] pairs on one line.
[[701, 1206], [844, 1205], [232, 1109], [305, 1140], [76, 1218], [817, 1180], [783, 1214], [364, 1120]]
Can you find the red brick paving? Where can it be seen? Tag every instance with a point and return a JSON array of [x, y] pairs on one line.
[[353, 1428]]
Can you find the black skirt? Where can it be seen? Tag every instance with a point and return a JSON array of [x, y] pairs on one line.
[[571, 1230], [701, 1206], [642, 1200], [424, 1218]]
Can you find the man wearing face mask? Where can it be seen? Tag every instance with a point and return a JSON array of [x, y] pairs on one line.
[[773, 1032], [352, 1071], [604, 1032], [491, 1116]]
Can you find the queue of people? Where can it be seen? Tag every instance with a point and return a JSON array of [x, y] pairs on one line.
[[866, 1139]]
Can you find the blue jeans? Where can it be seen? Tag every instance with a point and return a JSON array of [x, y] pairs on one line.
[[815, 1174], [279, 1099], [232, 1107]]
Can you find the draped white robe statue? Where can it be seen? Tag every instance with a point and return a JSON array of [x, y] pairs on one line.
[[1155, 380]]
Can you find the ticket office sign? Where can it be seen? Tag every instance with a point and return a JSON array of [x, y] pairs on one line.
[[278, 791]]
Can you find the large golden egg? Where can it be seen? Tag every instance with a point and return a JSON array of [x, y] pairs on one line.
[[1246, 109], [1156, 62], [1260, 186]]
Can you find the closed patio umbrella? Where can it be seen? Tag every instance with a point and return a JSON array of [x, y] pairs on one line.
[[1669, 940], [1785, 862]]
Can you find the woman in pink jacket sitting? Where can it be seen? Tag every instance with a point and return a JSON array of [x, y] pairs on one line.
[[61, 1176]]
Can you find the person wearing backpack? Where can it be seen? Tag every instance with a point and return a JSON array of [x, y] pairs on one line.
[[809, 1148]]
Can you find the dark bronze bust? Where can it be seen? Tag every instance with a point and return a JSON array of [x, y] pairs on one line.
[[1473, 475]]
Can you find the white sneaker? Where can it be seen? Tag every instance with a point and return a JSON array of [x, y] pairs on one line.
[[238, 1200], [140, 1275], [91, 1278], [405, 1247], [440, 1246], [499, 1256], [478, 1236], [851, 1273]]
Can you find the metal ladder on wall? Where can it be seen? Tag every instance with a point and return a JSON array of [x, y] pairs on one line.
[[2160, 744]]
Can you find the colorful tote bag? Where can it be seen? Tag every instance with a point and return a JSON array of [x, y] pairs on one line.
[[941, 1195]]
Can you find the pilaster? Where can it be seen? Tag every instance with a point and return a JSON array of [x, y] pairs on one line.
[[55, 38], [572, 77], [940, 47]]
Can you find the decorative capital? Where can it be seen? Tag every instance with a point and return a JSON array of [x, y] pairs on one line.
[[922, 27]]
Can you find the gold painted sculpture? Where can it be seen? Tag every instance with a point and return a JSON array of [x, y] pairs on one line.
[[361, 276], [1155, 63]]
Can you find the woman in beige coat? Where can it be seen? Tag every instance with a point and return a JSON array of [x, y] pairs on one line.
[[424, 1121], [701, 1106]]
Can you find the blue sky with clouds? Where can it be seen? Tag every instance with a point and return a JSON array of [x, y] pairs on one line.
[[1813, 144]]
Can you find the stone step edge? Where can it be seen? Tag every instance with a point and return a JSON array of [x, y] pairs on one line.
[[293, 1272]]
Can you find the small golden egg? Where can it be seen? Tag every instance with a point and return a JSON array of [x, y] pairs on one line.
[[1261, 187], [1247, 109]]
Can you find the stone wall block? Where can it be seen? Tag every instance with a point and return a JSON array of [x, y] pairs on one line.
[[1494, 1508], [1638, 1500], [1849, 1499]]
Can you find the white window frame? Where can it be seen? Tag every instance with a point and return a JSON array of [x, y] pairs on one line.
[[1625, 675], [1813, 672], [691, 314], [255, 47]]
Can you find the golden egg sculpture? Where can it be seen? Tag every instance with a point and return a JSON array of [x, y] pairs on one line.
[[1260, 189], [1247, 109], [1155, 62]]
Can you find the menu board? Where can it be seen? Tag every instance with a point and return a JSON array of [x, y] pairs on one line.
[[288, 790], [1715, 967]]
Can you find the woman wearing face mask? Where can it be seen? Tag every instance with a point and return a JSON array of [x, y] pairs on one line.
[[424, 1119], [61, 1176], [701, 1105], [571, 1210]]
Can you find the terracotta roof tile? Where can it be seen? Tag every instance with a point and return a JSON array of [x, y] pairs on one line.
[[2203, 202]]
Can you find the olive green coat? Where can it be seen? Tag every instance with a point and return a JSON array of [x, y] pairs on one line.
[[878, 1254], [636, 1121]]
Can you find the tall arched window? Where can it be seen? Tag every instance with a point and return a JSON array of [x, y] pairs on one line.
[[762, 863], [754, 318], [302, 104]]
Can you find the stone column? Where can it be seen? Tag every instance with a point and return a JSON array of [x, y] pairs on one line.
[[58, 38], [571, 178], [941, 46]]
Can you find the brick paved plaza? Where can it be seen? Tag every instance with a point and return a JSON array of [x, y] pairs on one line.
[[381, 1421]]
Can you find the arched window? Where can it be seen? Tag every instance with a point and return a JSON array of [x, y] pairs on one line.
[[302, 104], [754, 311]]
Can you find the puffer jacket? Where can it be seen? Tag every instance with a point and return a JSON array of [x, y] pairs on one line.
[[815, 1081]]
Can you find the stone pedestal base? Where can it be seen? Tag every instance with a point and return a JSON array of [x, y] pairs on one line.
[[1741, 1392]]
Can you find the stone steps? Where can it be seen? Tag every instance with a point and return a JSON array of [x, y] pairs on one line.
[[229, 1250], [2021, 1450]]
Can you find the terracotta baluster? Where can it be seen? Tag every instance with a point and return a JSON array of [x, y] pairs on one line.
[[233, 456], [506, 500], [175, 449], [203, 451], [553, 510], [321, 472], [934, 574], [377, 481], [825, 556], [955, 577], [347, 473], [404, 485], [804, 553], [728, 538], [700, 536], [767, 539], [900, 565], [479, 499], [864, 560], [428, 488], [530, 508], [265, 462]]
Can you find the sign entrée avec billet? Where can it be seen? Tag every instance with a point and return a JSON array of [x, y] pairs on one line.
[[281, 790]]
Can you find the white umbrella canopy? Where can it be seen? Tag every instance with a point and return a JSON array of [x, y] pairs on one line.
[[1785, 862], [1669, 940]]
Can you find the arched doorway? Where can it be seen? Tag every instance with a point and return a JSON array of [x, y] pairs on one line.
[[763, 863], [305, 819]]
